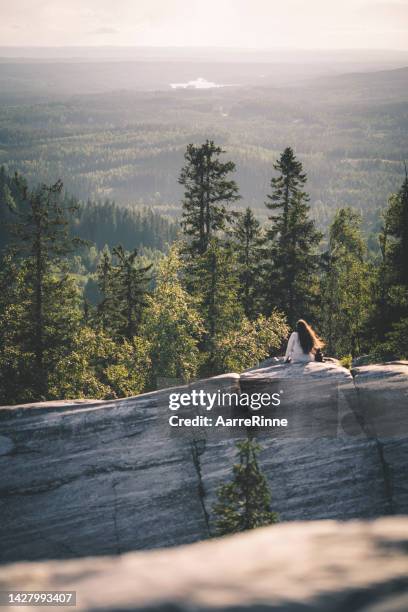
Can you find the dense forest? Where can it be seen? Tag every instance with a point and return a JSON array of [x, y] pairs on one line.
[[222, 297], [97, 226], [100, 223]]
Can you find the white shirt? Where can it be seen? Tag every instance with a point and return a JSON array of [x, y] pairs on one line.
[[295, 351]]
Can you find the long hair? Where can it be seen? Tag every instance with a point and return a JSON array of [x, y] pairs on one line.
[[309, 340]]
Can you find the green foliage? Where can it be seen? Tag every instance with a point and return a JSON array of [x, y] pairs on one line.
[[172, 324], [291, 272], [99, 224], [395, 343], [16, 376], [214, 283], [98, 367], [396, 227], [250, 342], [345, 285], [244, 503], [130, 144], [391, 286], [208, 192], [123, 286], [107, 223], [47, 349], [247, 242], [49, 302], [347, 361], [129, 281], [210, 271], [26, 378], [209, 310], [106, 306]]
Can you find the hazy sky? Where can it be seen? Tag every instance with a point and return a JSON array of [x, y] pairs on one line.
[[229, 23]]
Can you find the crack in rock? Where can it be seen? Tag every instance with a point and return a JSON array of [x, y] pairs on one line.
[[197, 449]]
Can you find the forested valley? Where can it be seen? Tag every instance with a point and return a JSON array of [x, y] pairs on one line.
[[126, 140]]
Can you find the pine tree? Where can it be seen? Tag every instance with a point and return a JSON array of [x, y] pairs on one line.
[[293, 241], [244, 503], [129, 287], [247, 242], [208, 193]]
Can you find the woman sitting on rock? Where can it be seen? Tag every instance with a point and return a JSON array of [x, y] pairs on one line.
[[304, 344]]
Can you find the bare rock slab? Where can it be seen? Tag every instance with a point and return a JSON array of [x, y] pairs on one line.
[[104, 478], [321, 566]]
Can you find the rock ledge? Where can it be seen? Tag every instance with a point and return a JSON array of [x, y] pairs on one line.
[[320, 566]]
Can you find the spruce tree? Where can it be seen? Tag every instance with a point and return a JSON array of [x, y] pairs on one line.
[[208, 191], [215, 286], [210, 276], [50, 307], [397, 230], [244, 503], [293, 241], [345, 285], [106, 306], [381, 286], [247, 242], [390, 314], [129, 287]]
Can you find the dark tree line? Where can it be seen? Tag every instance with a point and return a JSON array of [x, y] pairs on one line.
[[100, 223], [106, 223]]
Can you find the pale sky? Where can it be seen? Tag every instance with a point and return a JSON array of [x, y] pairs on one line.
[[298, 24]]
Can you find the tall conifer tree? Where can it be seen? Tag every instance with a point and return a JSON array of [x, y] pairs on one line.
[[105, 311], [345, 285], [50, 310], [215, 284], [130, 284], [390, 315], [210, 276], [208, 191], [293, 241], [397, 229], [247, 242]]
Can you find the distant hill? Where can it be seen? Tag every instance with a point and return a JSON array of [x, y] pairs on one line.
[[126, 140], [52, 72], [367, 86]]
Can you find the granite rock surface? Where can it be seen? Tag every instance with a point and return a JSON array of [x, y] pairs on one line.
[[323, 566], [103, 478]]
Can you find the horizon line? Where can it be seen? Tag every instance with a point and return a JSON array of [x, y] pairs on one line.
[[208, 47]]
